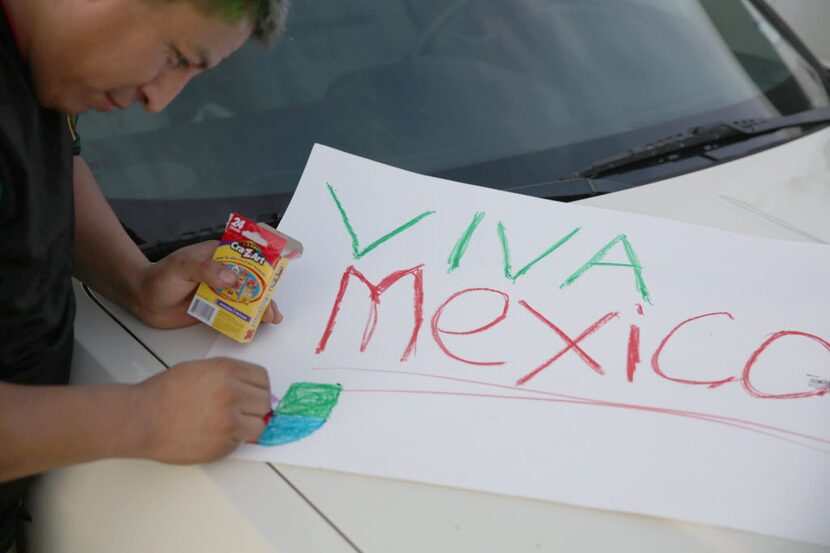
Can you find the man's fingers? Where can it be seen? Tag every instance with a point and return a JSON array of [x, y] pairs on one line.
[[194, 262], [249, 428], [272, 314], [255, 401], [252, 374], [216, 274]]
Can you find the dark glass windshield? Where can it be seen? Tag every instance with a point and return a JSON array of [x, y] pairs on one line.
[[502, 93]]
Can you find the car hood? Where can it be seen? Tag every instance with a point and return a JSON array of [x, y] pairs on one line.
[[782, 192]]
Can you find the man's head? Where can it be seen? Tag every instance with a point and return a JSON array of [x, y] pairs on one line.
[[107, 54]]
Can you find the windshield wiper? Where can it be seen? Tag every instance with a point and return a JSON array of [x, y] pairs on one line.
[[701, 137], [570, 189]]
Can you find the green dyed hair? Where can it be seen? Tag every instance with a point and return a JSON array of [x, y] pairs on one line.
[[268, 15]]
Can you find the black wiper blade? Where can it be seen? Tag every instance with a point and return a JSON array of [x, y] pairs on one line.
[[700, 137], [570, 189]]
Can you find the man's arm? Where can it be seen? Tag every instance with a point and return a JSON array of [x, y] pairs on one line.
[[105, 256], [193, 412]]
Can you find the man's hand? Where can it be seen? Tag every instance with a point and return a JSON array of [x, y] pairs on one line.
[[199, 411], [195, 412], [166, 287], [109, 261]]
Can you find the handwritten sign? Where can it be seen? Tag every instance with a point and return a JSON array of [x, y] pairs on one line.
[[450, 334]]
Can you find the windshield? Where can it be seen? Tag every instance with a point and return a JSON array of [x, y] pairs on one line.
[[502, 93]]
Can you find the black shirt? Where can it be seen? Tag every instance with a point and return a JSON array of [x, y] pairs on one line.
[[37, 305]]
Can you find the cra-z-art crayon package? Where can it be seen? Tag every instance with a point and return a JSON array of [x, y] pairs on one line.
[[258, 255]]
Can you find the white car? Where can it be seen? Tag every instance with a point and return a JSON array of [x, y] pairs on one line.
[[704, 111]]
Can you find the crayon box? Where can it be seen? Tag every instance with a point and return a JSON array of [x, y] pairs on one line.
[[258, 255]]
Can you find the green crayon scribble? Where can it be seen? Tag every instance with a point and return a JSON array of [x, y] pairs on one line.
[[308, 399], [632, 258], [508, 270], [356, 251], [461, 246]]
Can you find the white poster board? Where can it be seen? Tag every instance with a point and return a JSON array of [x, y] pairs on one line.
[[525, 347]]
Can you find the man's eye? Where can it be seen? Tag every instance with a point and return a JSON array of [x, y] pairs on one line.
[[180, 61]]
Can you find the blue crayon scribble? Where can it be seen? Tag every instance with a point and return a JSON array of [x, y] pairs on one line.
[[284, 429]]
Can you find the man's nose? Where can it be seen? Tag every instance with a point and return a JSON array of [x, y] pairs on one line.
[[158, 93]]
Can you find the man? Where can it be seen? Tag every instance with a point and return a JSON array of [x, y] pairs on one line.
[[60, 57]]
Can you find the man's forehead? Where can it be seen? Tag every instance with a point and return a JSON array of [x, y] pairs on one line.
[[206, 38]]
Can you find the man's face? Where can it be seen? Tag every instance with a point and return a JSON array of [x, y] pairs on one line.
[[107, 54]]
